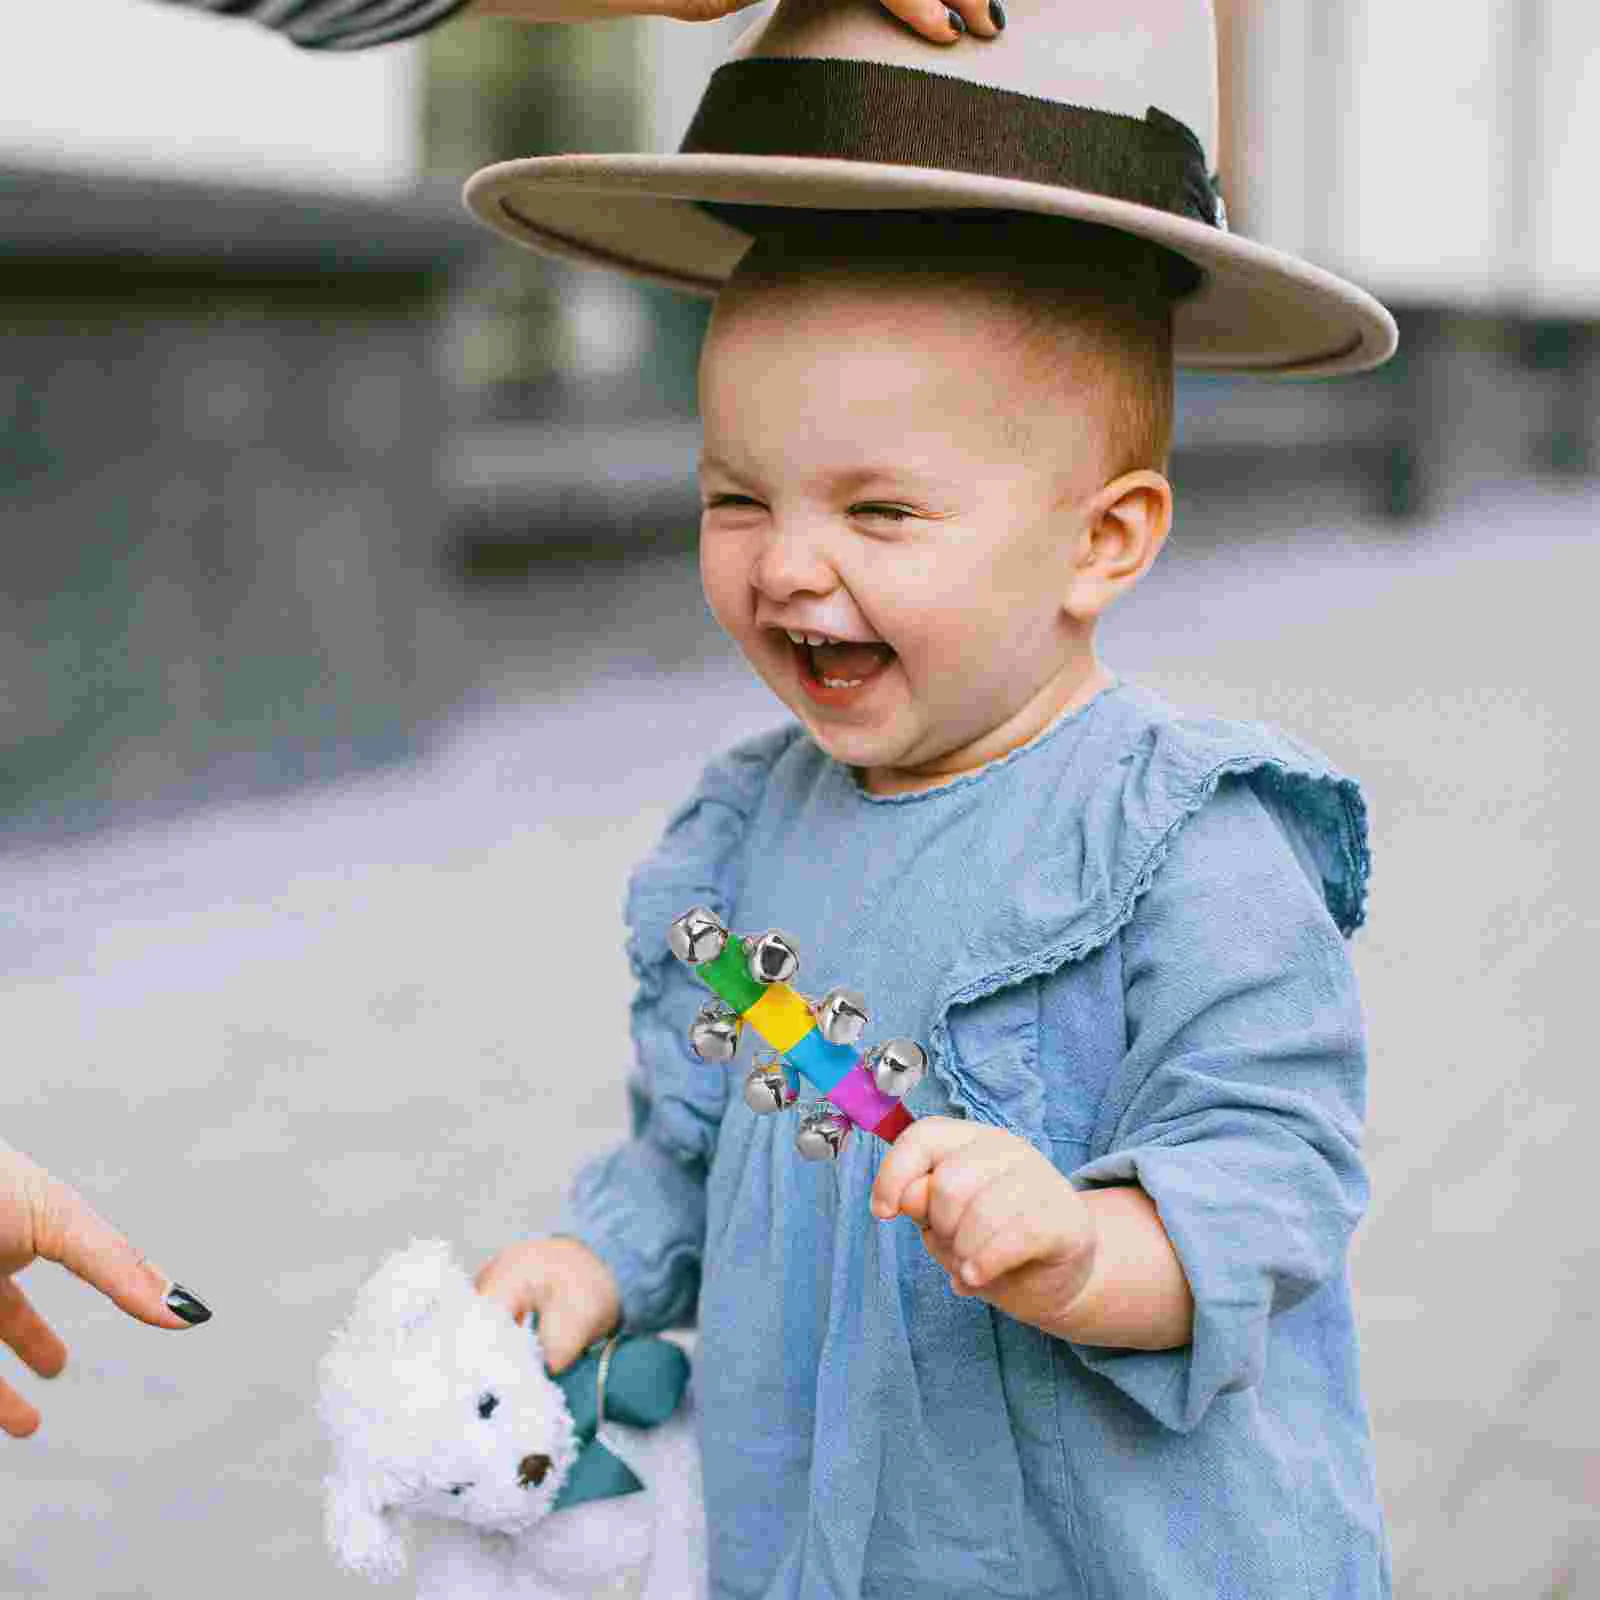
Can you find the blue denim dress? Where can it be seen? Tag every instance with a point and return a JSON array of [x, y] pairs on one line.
[[1124, 944]]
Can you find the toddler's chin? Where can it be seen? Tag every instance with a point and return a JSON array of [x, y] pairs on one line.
[[853, 747]]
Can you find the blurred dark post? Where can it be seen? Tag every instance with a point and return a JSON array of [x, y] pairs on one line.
[[574, 385], [495, 91], [535, 337]]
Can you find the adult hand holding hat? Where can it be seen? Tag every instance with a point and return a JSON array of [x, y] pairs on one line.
[[934, 19], [359, 24], [43, 1219]]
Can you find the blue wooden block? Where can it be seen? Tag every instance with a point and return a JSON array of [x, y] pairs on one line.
[[822, 1063]]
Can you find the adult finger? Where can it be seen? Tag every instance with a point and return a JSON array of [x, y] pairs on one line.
[[28, 1333], [916, 1152], [17, 1417], [704, 10], [70, 1232], [946, 21]]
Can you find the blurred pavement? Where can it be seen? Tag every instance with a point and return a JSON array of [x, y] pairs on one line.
[[275, 1041]]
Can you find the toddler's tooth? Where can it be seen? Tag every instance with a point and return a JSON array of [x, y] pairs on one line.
[[816, 638], [795, 638]]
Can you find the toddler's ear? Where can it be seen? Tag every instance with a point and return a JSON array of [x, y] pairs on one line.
[[361, 1530], [1125, 526]]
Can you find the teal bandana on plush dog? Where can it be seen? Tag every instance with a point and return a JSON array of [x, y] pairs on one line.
[[636, 1381]]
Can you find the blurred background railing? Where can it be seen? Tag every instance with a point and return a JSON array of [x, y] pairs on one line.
[[351, 620], [274, 412]]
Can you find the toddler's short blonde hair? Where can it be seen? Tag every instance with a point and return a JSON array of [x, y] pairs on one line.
[[1089, 305]]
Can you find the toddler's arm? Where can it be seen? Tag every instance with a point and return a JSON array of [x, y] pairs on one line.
[[1227, 1177], [1011, 1229], [638, 1213], [1238, 1104]]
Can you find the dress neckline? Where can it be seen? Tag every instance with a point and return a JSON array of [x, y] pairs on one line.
[[965, 780]]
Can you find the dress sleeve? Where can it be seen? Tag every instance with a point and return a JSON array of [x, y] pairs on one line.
[[336, 24], [642, 1207], [1238, 1104]]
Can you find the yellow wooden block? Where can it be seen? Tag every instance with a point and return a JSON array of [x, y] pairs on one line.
[[781, 1016]]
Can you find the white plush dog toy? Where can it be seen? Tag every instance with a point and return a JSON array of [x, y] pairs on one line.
[[445, 1426]]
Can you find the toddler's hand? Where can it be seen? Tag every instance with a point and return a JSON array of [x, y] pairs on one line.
[[565, 1283], [1003, 1222]]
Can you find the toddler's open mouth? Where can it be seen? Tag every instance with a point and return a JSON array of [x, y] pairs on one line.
[[837, 666]]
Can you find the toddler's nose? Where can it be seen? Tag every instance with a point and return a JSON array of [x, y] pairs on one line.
[[532, 1469], [792, 563]]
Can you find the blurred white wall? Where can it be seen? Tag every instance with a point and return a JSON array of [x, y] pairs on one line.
[[137, 85], [1440, 151]]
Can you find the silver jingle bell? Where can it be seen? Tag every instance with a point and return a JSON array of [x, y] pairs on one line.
[[841, 1016], [772, 957], [714, 1033], [822, 1134], [897, 1067], [697, 936], [766, 1088]]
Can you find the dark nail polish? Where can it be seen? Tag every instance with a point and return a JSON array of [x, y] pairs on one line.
[[997, 15], [957, 21], [192, 1311]]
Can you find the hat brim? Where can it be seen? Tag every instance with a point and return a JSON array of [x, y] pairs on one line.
[[1258, 311]]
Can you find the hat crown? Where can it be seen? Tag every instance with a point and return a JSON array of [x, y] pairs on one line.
[[1122, 56]]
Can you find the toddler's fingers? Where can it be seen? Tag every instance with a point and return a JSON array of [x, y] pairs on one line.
[[1013, 1223], [563, 1337], [506, 1278], [962, 1180], [915, 1154], [914, 1200]]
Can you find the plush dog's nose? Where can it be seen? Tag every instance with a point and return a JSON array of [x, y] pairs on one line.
[[532, 1470]]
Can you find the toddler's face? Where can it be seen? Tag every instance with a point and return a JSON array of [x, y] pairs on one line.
[[880, 472]]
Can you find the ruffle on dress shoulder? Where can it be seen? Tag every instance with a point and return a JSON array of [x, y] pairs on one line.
[[696, 863], [1087, 833], [1105, 821]]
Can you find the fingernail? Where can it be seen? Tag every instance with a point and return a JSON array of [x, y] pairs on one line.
[[957, 21], [969, 1273], [997, 15], [184, 1304]]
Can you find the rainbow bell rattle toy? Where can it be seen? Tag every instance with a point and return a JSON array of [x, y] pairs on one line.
[[816, 1040]]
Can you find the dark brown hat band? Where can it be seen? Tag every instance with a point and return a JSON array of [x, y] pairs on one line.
[[900, 116]]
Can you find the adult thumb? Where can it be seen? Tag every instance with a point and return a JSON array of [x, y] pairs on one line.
[[70, 1232]]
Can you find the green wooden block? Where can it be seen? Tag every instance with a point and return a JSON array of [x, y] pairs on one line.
[[729, 976]]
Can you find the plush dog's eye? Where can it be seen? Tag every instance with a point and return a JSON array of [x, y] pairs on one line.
[[487, 1404]]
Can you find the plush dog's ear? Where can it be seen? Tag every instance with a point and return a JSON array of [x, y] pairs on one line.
[[417, 1284], [361, 1530]]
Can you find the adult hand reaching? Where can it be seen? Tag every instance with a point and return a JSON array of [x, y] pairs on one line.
[[937, 20], [43, 1219]]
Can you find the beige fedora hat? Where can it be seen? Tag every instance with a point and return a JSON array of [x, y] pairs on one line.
[[1101, 111]]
